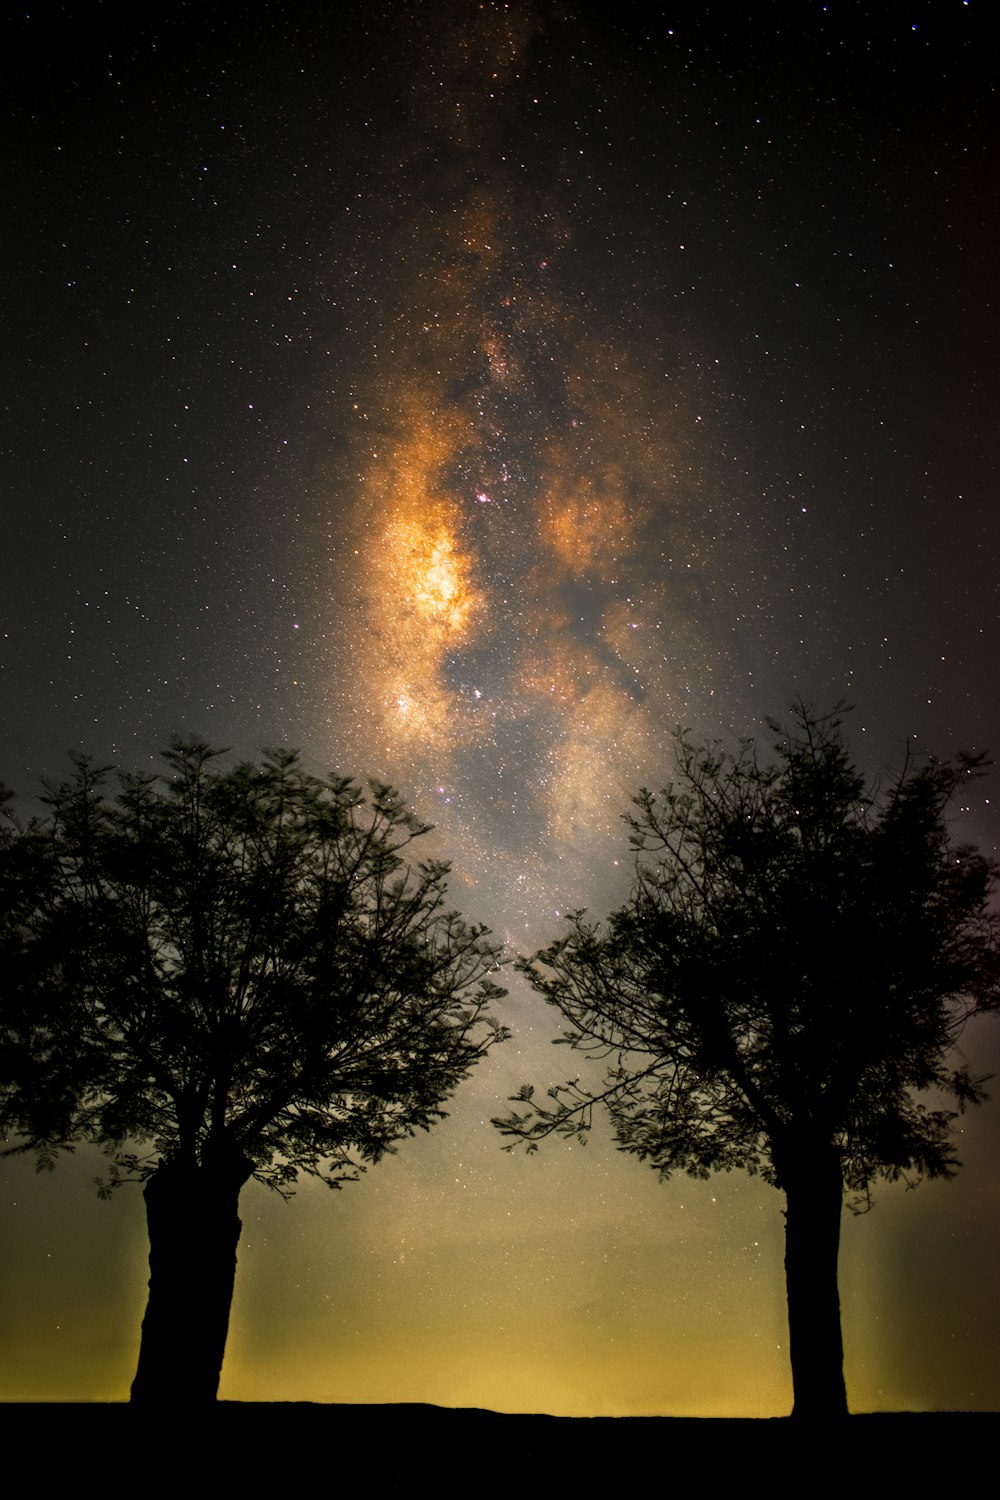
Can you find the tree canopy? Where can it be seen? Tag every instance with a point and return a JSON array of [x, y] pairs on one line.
[[237, 973], [44, 1064], [783, 991]]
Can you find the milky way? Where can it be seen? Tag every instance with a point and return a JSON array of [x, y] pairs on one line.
[[530, 548]]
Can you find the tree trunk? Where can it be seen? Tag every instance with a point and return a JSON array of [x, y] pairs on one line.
[[814, 1195], [194, 1228]]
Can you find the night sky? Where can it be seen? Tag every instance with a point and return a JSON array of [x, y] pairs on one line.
[[467, 395]]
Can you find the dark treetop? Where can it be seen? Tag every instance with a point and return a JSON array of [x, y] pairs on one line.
[[240, 961], [783, 993]]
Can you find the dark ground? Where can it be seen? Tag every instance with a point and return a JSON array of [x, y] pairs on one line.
[[436, 1451]]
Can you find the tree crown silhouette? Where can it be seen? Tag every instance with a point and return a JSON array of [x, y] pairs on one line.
[[782, 992], [238, 973]]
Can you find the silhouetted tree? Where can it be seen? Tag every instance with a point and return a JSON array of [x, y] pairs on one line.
[[782, 994], [42, 1062], [259, 987]]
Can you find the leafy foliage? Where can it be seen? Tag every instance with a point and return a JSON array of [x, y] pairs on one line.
[[796, 961], [242, 962], [40, 1084]]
